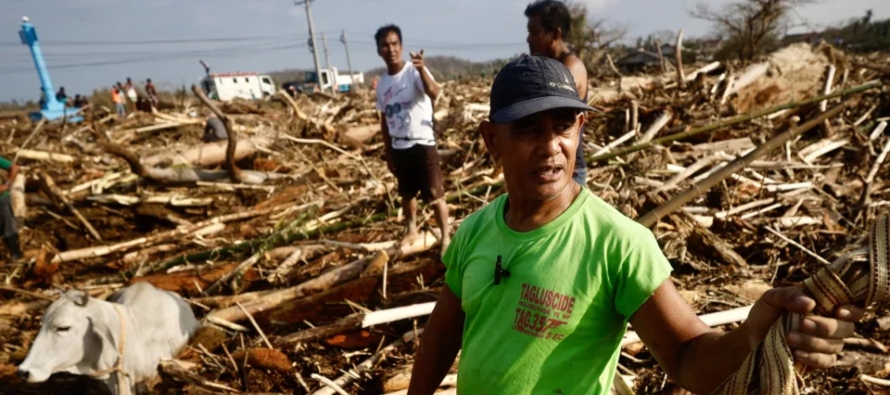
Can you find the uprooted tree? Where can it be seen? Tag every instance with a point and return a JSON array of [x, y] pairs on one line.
[[751, 27]]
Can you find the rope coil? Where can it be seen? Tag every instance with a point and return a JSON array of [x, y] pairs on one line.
[[859, 277]]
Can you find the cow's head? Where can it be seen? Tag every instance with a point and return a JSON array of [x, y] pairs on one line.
[[67, 338]]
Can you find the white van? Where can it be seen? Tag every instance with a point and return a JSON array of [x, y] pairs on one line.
[[228, 86]]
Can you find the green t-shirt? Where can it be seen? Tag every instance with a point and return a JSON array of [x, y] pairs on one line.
[[554, 326]]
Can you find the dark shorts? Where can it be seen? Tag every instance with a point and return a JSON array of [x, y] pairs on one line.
[[417, 171], [7, 219]]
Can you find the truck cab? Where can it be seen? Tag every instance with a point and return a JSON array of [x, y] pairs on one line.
[[229, 86], [331, 77]]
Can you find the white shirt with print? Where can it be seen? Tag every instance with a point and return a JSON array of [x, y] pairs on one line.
[[407, 108]]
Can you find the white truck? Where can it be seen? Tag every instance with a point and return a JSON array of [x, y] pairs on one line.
[[243, 85], [331, 77]]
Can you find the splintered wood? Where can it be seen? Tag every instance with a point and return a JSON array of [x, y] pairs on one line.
[[289, 236]]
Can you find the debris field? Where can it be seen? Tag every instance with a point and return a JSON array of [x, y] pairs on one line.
[[287, 238]]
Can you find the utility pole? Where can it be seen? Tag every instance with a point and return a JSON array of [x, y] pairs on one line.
[[348, 61], [327, 59], [312, 38]]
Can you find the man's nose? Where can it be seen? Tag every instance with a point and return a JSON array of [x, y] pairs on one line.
[[549, 143]]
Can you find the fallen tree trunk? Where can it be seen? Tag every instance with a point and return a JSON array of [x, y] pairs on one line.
[[191, 282], [288, 236], [184, 175], [99, 251], [208, 154], [363, 290], [321, 283], [46, 156]]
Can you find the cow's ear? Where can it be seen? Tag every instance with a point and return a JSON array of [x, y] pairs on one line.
[[82, 299]]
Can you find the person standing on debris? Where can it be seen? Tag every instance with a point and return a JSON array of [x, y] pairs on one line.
[[214, 129], [131, 93], [541, 283], [118, 98], [80, 101], [61, 96], [405, 96], [549, 24], [151, 91], [7, 218]]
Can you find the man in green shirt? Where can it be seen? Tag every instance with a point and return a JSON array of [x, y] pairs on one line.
[[7, 218], [542, 282]]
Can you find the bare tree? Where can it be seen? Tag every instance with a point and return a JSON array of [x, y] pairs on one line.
[[590, 37], [751, 26]]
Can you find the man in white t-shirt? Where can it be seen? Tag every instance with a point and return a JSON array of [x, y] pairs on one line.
[[405, 96]]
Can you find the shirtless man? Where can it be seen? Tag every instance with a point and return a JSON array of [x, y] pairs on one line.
[[549, 24]]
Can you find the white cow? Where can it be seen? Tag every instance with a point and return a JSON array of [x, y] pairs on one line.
[[82, 335]]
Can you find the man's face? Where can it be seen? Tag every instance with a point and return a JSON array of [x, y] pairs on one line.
[[537, 152], [539, 39], [390, 48]]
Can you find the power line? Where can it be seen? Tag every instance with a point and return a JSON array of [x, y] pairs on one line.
[[221, 52]]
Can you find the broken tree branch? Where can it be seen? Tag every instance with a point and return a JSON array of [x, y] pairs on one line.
[[702, 186], [731, 121], [232, 138], [51, 189]]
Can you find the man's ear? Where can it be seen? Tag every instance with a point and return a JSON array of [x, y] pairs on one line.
[[487, 129], [558, 34]]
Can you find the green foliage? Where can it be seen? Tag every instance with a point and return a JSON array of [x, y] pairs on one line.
[[862, 34]]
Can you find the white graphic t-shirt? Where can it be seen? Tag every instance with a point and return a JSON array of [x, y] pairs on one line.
[[407, 108]]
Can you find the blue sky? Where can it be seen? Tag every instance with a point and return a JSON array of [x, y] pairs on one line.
[[91, 44]]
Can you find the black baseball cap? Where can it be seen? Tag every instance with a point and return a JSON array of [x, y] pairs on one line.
[[531, 84]]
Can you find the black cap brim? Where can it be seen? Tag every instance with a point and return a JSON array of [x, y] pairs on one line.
[[517, 111]]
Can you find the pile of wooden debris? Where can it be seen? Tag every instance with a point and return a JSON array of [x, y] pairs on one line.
[[286, 237]]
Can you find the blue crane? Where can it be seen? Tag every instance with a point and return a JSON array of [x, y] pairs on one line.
[[50, 109]]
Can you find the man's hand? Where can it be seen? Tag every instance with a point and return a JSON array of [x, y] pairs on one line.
[[417, 60], [4, 188], [818, 340]]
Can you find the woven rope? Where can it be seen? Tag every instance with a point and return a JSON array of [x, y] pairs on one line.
[[859, 277], [117, 369]]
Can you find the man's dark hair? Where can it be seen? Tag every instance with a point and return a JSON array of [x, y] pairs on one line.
[[553, 14], [384, 31]]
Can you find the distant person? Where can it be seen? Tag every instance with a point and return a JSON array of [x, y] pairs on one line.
[[118, 98], [405, 96], [214, 129], [549, 24], [8, 227], [42, 101], [61, 96], [130, 89], [151, 91], [80, 101]]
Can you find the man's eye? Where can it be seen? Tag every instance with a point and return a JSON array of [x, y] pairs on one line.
[[63, 329], [565, 127]]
